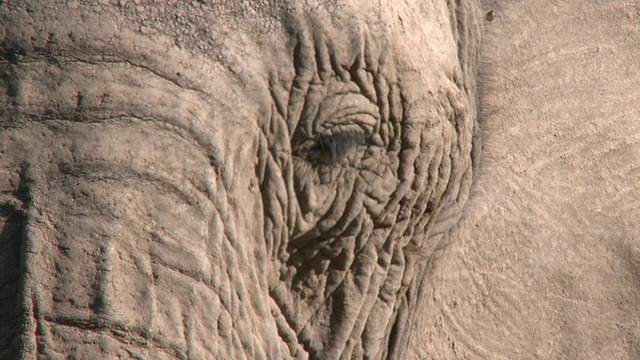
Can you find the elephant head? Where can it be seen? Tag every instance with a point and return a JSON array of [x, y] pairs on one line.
[[228, 180]]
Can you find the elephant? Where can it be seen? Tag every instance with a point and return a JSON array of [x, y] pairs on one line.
[[402, 180], [227, 180]]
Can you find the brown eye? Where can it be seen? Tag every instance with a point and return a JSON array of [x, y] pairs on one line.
[[331, 149]]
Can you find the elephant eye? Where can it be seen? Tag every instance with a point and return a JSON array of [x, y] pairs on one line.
[[331, 149]]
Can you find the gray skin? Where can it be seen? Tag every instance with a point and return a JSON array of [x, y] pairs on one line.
[[221, 181]]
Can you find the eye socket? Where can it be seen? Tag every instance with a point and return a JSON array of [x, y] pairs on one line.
[[331, 149]]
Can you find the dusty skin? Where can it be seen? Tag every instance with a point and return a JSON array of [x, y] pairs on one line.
[[546, 262], [169, 180]]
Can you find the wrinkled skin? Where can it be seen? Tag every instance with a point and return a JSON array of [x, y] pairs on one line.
[[198, 180]]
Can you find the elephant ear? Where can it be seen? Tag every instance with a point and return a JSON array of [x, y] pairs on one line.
[[466, 23]]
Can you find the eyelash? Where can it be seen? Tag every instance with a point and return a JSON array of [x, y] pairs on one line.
[[331, 149]]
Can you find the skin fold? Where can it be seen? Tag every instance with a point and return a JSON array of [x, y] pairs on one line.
[[211, 180]]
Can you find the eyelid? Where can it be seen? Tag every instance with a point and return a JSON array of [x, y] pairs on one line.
[[347, 108]]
